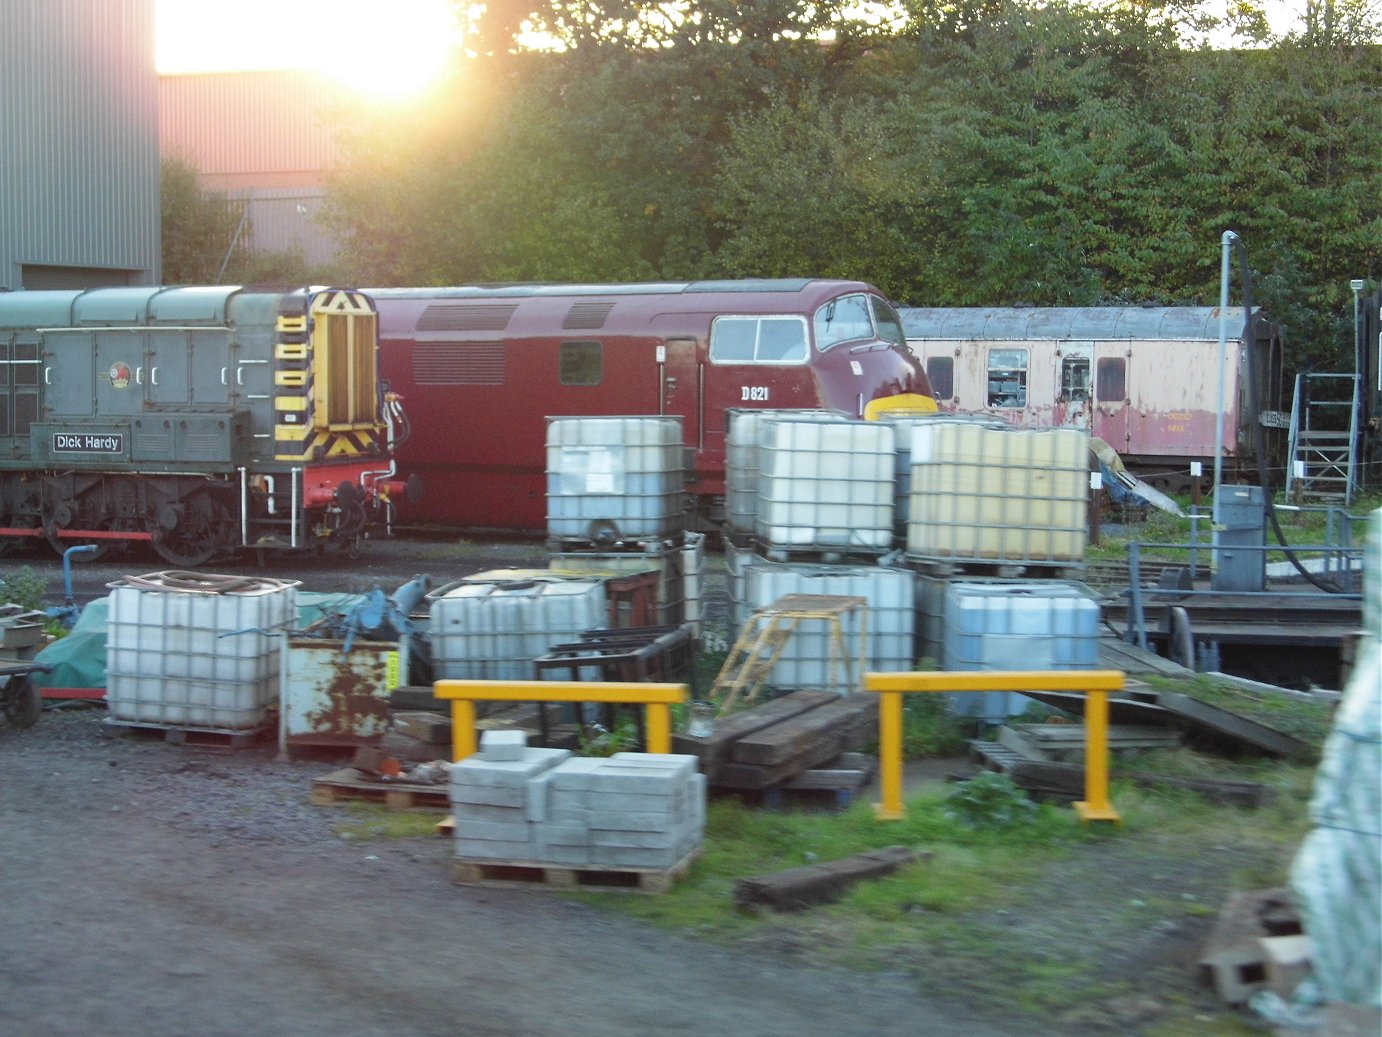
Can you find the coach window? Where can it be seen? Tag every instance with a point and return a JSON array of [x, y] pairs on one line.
[[581, 363], [846, 319], [1007, 378], [940, 372], [1111, 379], [758, 340], [1074, 379]]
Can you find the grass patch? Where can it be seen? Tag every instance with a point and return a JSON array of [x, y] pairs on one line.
[[365, 822]]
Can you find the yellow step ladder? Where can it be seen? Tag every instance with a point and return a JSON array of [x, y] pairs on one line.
[[765, 636]]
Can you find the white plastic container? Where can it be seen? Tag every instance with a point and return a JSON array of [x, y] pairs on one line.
[[805, 661], [1033, 625], [998, 494], [744, 434], [826, 483], [614, 479], [494, 631], [181, 653]]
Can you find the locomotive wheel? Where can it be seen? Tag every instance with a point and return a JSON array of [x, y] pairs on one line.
[[204, 527], [61, 544], [23, 702], [8, 544]]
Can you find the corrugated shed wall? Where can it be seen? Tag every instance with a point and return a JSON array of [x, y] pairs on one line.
[[252, 129], [79, 160]]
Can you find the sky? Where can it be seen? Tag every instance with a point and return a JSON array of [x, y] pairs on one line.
[[392, 56]]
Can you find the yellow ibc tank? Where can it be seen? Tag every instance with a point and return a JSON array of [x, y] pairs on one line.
[[997, 494]]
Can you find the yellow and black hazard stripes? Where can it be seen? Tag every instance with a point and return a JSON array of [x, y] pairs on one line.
[[326, 389]]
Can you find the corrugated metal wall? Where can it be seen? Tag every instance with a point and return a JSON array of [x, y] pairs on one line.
[[267, 137], [79, 161]]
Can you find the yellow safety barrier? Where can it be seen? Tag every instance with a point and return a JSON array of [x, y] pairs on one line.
[[1094, 684], [657, 699]]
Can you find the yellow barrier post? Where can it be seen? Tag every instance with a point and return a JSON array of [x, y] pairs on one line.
[[657, 700], [1096, 684]]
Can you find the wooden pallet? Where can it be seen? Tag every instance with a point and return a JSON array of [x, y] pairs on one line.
[[470, 871], [996, 568], [347, 786], [201, 737]]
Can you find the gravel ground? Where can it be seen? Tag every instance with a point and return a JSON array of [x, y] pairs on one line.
[[156, 889]]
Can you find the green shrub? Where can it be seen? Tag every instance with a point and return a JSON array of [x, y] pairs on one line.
[[25, 588], [989, 800]]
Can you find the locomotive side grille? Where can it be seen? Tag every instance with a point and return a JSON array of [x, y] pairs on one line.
[[458, 363], [466, 317], [587, 315]]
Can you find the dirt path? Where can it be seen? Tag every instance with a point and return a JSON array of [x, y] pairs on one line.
[[130, 911]]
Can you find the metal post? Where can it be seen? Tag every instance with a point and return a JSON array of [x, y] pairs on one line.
[[890, 751], [1228, 241]]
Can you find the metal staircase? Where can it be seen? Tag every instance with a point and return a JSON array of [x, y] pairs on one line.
[[1323, 461], [765, 636]]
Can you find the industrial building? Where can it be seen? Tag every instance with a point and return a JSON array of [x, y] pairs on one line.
[[79, 158]]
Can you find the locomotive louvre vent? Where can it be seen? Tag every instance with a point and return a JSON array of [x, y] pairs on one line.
[[587, 315], [466, 317], [458, 363]]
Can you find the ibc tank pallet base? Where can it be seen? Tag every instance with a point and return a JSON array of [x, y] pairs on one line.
[[347, 786], [1004, 569], [198, 736], [470, 871], [581, 545], [822, 554]]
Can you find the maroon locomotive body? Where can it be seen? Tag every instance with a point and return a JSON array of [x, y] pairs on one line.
[[482, 367]]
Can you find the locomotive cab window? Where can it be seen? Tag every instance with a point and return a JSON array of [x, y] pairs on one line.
[[1007, 378], [847, 319], [758, 340], [887, 321], [581, 363], [940, 372], [1111, 379]]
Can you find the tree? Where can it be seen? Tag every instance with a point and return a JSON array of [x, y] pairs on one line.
[[198, 226]]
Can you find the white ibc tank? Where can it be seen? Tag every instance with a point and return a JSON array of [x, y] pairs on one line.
[[1036, 625], [744, 433], [196, 651], [612, 479], [826, 483], [805, 661], [494, 631], [998, 494]]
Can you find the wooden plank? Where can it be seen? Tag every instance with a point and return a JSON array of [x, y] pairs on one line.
[[346, 786], [1068, 779], [797, 888], [472, 871], [786, 740], [1212, 720], [714, 749]]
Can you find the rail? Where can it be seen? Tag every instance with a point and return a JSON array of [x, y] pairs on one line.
[[656, 698], [1094, 684]]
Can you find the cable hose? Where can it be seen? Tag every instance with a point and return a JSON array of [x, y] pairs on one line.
[[1259, 437]]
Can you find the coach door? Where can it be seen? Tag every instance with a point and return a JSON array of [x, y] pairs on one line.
[[681, 372], [1111, 403], [1074, 389]]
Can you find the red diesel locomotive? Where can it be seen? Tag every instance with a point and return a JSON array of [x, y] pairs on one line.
[[481, 368]]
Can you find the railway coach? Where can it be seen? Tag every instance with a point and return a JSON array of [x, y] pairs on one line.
[[199, 420], [481, 367], [1143, 379]]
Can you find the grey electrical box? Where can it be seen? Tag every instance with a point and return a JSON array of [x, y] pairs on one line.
[[1240, 561]]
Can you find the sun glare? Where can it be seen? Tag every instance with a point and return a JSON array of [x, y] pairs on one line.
[[390, 49]]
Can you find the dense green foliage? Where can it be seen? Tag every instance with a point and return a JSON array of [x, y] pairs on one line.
[[990, 152]]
